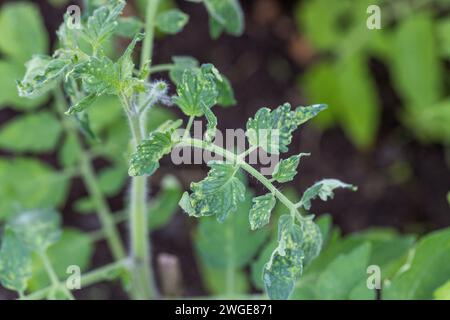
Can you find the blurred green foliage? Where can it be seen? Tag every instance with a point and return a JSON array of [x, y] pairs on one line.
[[413, 44]]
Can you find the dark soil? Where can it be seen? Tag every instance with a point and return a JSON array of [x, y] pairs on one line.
[[402, 183]]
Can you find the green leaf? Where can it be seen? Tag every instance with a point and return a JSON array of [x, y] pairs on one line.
[[39, 229], [324, 33], [272, 129], [230, 244], [68, 154], [128, 26], [225, 15], [112, 179], [215, 280], [125, 62], [23, 31], [73, 248], [145, 161], [388, 250], [257, 266], [28, 184], [36, 132], [226, 94], [312, 241], [320, 82], [324, 190], [225, 91], [180, 64], [358, 108], [431, 123], [211, 125], [443, 292], [443, 37], [103, 22], [428, 269], [165, 204], [343, 274], [286, 264], [196, 91], [15, 262], [83, 104], [415, 63], [99, 75], [218, 194], [106, 104], [171, 21], [9, 73], [43, 73], [260, 212], [286, 169]]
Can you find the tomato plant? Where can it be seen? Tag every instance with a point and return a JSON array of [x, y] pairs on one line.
[[100, 100]]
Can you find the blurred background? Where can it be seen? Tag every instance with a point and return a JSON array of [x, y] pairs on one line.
[[387, 129]]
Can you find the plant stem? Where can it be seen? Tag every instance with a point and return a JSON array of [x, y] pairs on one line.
[[233, 158], [107, 221], [143, 285], [277, 193], [91, 182], [147, 46], [230, 270], [87, 279], [56, 285], [188, 127], [161, 67]]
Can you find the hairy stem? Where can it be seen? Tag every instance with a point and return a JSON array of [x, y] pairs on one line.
[[91, 182], [143, 284]]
